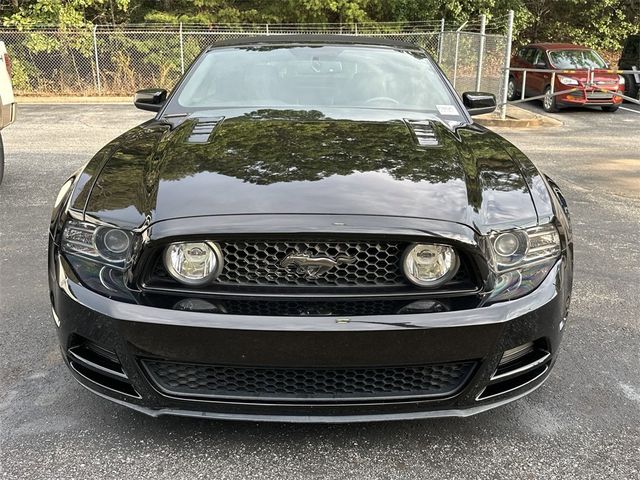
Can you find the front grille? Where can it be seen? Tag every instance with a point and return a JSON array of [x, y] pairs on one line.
[[277, 264], [599, 96], [284, 308], [308, 384], [356, 263]]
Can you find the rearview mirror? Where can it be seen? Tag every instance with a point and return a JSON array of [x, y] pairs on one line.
[[478, 103], [151, 99]]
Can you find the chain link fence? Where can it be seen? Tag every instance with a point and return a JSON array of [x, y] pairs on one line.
[[466, 69], [118, 60]]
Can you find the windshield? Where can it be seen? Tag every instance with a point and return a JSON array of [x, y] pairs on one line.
[[312, 77], [576, 59]]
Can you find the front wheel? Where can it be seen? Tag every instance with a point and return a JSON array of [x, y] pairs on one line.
[[549, 101], [631, 88], [1, 159], [610, 108], [512, 92]]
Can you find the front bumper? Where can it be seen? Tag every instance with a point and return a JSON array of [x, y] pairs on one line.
[[587, 97], [136, 332]]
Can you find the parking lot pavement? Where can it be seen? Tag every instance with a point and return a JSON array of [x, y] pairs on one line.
[[583, 423]]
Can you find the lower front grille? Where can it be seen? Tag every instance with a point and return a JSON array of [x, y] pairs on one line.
[[308, 384], [599, 96], [284, 308]]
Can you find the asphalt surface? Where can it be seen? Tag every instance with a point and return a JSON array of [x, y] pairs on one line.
[[583, 423]]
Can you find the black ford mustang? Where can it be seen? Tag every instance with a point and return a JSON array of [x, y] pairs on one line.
[[310, 229]]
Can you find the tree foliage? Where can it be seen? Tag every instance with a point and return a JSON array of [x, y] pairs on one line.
[[600, 24]]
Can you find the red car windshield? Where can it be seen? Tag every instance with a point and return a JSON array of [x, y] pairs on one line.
[[576, 59]]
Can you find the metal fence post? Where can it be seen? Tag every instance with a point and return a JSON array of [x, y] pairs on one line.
[[455, 58], [440, 40], [507, 62], [95, 51], [181, 50], [267, 29], [483, 25]]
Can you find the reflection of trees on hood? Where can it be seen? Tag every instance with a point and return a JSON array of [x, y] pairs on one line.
[[266, 147], [131, 176], [272, 146]]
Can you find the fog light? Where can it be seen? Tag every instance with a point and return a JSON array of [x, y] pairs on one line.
[[430, 265], [193, 263]]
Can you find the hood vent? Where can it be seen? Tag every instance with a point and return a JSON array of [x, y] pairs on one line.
[[424, 133], [203, 129]]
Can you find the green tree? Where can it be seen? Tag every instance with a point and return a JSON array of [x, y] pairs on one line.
[[601, 24], [65, 13]]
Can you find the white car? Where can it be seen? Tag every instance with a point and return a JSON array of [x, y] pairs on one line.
[[7, 100]]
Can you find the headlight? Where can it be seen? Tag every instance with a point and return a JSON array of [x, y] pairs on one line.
[[103, 243], [621, 80], [522, 259], [98, 256], [567, 80], [193, 263], [430, 265]]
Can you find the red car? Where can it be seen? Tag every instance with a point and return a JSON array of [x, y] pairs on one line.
[[583, 88]]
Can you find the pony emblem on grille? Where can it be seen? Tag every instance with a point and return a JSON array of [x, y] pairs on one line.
[[314, 267]]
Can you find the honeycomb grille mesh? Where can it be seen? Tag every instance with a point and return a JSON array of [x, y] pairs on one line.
[[319, 384], [358, 263], [279, 308]]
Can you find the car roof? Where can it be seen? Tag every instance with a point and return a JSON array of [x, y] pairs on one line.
[[324, 39], [557, 46]]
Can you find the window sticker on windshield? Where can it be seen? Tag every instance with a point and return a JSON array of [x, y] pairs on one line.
[[447, 110]]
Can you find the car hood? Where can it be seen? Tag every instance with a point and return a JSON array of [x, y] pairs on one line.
[[286, 162], [600, 77]]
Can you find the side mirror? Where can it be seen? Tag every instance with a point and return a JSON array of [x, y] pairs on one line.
[[151, 99], [478, 103], [540, 65]]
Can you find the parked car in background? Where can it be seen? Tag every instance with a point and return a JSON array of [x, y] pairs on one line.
[[630, 60], [582, 87], [311, 228], [7, 101]]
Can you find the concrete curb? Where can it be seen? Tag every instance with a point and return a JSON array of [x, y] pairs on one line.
[[517, 118], [73, 100]]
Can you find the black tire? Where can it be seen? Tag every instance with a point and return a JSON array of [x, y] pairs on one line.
[[610, 108], [630, 86], [1, 160], [512, 90], [549, 106]]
